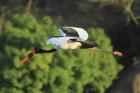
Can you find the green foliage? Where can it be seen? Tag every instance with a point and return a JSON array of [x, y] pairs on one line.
[[21, 35], [71, 70], [64, 72]]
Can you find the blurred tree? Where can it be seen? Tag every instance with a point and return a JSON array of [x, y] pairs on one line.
[[68, 71], [21, 34], [73, 70], [136, 84], [125, 5], [28, 7], [8, 7]]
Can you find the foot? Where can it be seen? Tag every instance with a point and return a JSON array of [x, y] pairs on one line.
[[118, 54]]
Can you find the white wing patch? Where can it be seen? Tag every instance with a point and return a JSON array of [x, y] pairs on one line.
[[83, 35]]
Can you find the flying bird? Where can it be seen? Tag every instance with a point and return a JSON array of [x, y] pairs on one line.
[[70, 38]]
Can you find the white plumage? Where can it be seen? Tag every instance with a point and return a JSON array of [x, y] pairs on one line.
[[83, 35], [65, 40]]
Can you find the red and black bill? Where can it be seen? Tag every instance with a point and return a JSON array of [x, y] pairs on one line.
[[27, 58]]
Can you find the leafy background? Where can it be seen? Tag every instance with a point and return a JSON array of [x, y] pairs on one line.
[[112, 24]]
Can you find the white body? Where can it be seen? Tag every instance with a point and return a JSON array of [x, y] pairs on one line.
[[64, 42]]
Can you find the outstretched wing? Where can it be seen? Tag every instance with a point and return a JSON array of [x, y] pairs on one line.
[[74, 32], [68, 31]]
